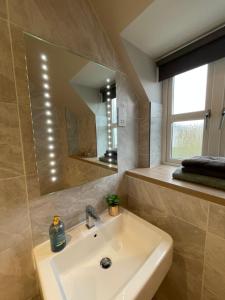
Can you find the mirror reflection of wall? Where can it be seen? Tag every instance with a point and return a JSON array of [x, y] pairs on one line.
[[74, 113]]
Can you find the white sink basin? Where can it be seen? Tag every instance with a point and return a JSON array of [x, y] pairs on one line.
[[141, 256]]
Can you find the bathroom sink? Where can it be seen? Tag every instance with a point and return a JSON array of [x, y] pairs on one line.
[[121, 258]]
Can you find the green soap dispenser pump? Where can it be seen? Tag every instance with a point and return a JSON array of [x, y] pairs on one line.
[[57, 234]]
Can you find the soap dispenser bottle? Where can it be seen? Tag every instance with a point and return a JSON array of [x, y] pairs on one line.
[[57, 234]]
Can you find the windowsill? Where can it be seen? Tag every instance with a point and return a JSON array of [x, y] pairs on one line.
[[162, 175]]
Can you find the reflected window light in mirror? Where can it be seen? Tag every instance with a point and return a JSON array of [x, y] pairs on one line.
[[44, 57]]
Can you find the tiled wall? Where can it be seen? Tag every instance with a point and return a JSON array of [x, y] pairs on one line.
[[198, 230], [24, 215]]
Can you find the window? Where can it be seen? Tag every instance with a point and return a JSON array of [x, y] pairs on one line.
[[114, 123], [193, 107]]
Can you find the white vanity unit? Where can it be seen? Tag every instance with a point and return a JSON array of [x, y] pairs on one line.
[[121, 258]]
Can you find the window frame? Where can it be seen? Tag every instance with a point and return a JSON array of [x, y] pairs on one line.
[[169, 118]]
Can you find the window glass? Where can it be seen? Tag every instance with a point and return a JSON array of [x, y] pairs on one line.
[[187, 137], [114, 111], [189, 90]]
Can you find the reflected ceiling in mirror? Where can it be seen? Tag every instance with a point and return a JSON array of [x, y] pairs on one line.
[[74, 115]]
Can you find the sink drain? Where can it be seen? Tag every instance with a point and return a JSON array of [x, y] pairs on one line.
[[105, 263]]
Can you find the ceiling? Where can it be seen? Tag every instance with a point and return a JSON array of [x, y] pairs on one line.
[[117, 14], [166, 25]]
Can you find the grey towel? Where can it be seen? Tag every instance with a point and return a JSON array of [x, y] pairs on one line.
[[216, 164], [199, 179]]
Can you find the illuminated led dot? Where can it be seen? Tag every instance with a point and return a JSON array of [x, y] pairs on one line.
[[46, 86], [50, 138], [110, 148], [108, 99], [51, 147], [108, 105], [45, 76], [109, 119], [44, 67], [109, 130], [107, 79], [48, 113], [108, 112], [108, 93], [109, 143], [44, 57], [110, 154], [109, 137], [48, 121], [53, 171], [108, 86], [109, 125], [110, 166], [52, 163], [110, 159], [53, 178], [46, 95], [48, 104], [51, 154], [49, 130]]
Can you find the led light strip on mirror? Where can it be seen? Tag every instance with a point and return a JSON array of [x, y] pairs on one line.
[[109, 118], [49, 114]]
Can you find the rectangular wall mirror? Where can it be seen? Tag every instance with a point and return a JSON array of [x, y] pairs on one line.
[[74, 115]]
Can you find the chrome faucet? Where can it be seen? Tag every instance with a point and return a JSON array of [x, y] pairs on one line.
[[91, 216]]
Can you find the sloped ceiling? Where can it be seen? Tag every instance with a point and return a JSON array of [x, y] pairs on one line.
[[168, 24]]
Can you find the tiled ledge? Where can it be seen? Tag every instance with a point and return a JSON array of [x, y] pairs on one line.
[[162, 175]]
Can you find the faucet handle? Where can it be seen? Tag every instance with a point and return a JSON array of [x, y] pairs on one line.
[[90, 210]]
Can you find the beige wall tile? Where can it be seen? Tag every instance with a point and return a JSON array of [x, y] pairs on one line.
[[58, 22], [3, 13], [188, 208], [207, 295], [10, 156], [17, 279], [183, 281], [7, 85], [215, 265], [217, 220]]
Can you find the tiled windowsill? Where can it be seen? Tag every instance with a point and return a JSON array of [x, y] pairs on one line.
[[162, 175]]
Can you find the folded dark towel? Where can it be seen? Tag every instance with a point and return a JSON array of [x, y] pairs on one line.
[[205, 172], [199, 179], [216, 164]]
